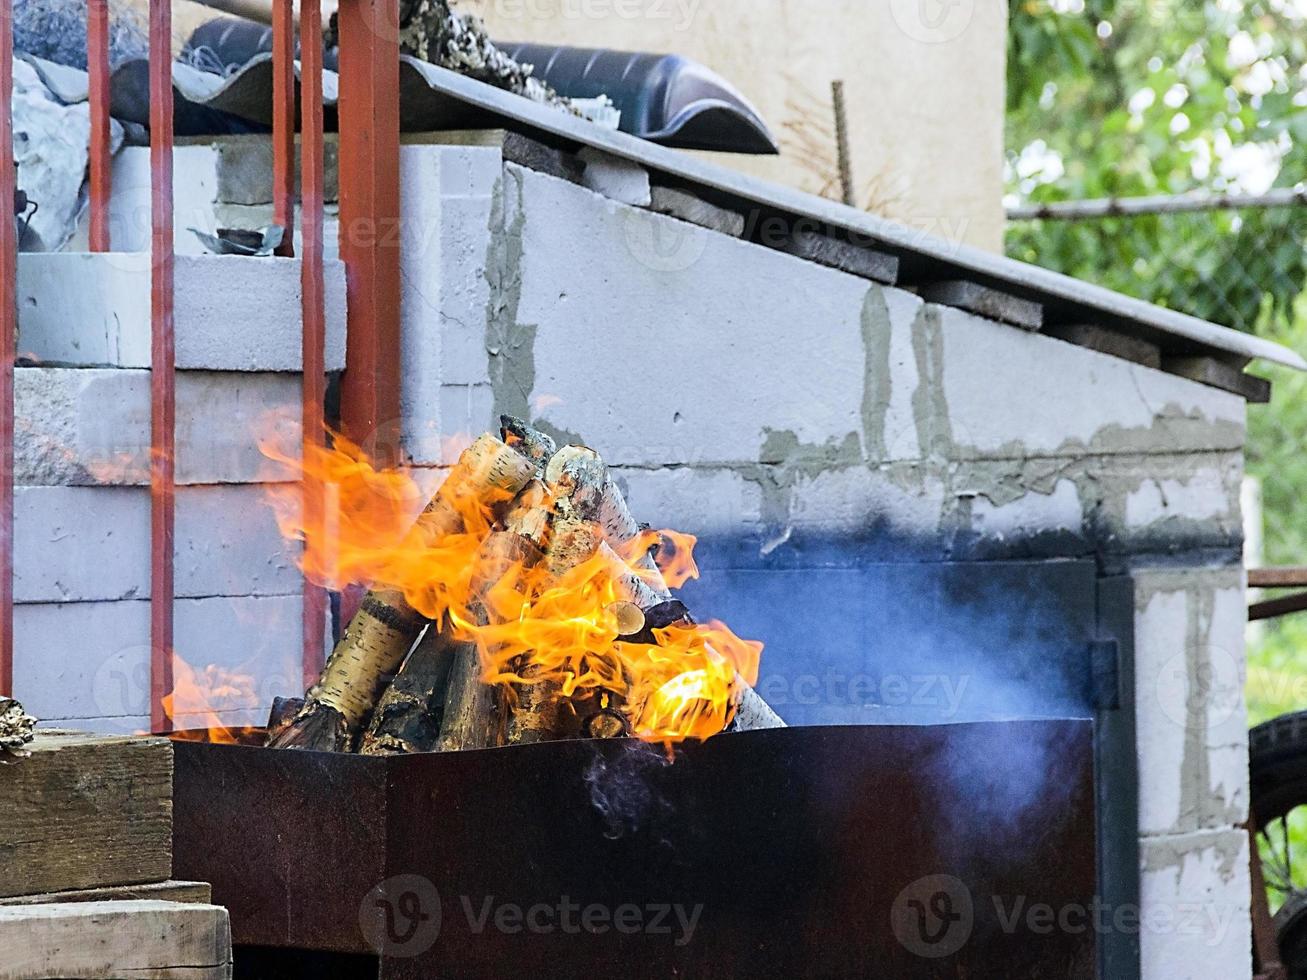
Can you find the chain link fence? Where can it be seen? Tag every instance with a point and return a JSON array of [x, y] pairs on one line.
[[1240, 262]]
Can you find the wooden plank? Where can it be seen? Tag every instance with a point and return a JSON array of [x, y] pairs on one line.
[[86, 811], [1218, 374], [1277, 578], [93, 940], [194, 892]]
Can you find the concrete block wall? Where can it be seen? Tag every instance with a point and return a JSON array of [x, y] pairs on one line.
[[82, 526], [738, 390]]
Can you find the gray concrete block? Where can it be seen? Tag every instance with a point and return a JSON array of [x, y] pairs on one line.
[[445, 288], [232, 313], [91, 659], [857, 260], [244, 169], [1194, 920], [701, 502], [615, 178], [1189, 689], [1001, 393], [86, 427], [716, 348], [986, 302], [687, 207]]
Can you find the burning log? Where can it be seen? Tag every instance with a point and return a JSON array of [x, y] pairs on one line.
[[575, 480], [336, 708], [408, 716], [535, 445], [474, 712], [385, 628], [282, 714]]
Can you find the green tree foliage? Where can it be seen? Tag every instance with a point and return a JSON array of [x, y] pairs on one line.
[[1115, 98], [1140, 97]]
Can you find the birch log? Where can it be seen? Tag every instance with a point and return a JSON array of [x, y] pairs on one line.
[[385, 628], [535, 445], [575, 478], [408, 717], [474, 713]]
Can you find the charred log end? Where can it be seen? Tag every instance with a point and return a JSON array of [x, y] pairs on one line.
[[318, 728]]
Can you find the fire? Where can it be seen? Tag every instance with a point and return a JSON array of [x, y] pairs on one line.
[[198, 697], [526, 620]]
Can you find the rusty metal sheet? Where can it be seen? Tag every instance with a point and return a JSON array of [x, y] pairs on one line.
[[817, 852]]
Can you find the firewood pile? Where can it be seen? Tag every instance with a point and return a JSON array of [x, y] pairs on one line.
[[554, 618]]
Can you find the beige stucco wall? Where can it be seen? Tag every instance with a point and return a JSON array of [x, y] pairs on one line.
[[924, 80]]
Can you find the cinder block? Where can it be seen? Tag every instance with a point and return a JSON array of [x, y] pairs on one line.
[[717, 347], [91, 659], [1120, 504], [244, 168], [1189, 688], [92, 544], [700, 502], [86, 427], [195, 190], [1009, 393], [445, 287], [615, 178], [1194, 921], [232, 314]]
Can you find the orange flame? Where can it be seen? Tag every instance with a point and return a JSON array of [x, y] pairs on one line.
[[198, 697], [557, 626]]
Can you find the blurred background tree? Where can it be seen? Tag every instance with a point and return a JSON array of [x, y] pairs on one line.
[[1122, 98]]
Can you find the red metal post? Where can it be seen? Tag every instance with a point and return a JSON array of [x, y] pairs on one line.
[[8, 330], [369, 212], [162, 367], [314, 308], [97, 65], [283, 121]]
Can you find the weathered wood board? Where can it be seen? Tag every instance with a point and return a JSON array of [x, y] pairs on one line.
[[85, 811], [198, 892], [94, 940]]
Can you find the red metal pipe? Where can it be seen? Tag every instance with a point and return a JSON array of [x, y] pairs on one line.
[[314, 308], [8, 331], [369, 213], [283, 122], [162, 368], [97, 64]]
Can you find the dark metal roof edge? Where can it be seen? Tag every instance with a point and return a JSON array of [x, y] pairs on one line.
[[948, 260]]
